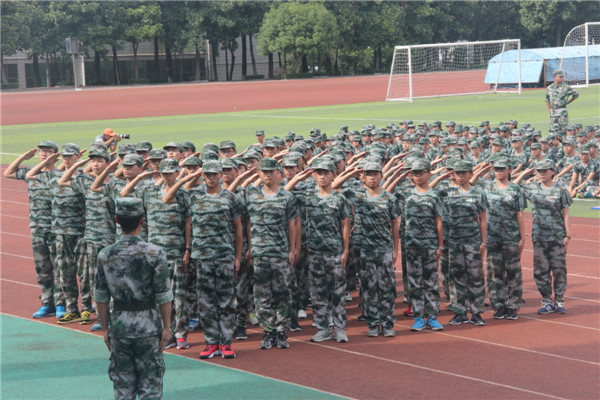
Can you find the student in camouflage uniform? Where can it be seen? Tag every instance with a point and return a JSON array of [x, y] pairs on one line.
[[558, 96], [550, 233], [40, 222], [273, 225], [217, 248], [68, 226], [135, 276]]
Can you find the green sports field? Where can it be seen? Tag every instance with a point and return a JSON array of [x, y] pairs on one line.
[[240, 126]]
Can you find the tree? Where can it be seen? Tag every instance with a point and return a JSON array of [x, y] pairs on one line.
[[142, 22], [300, 29], [13, 31]]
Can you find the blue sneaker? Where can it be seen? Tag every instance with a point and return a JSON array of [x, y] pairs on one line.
[[44, 311], [60, 311], [434, 325], [96, 327], [419, 325], [546, 309], [560, 308]]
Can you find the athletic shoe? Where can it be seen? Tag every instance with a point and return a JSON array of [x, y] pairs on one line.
[[511, 313], [295, 327], [60, 311], [45, 311], [182, 344], [434, 325], [419, 325], [210, 351], [226, 351], [477, 320], [546, 309], [322, 336], [281, 339], [361, 317], [340, 336], [560, 308], [69, 318], [389, 332], [405, 300], [96, 327], [195, 324], [85, 318], [348, 296], [268, 341], [500, 313], [408, 312], [171, 343], [240, 333], [330, 319], [459, 319], [302, 314], [253, 319], [373, 331], [449, 307]]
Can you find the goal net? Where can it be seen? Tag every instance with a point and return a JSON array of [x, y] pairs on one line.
[[453, 69], [580, 58]]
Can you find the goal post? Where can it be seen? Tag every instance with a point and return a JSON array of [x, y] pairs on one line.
[[454, 69], [580, 59]]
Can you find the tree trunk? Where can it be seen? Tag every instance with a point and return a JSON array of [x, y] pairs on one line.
[[214, 52], [36, 71], [4, 69], [156, 59], [226, 66], [336, 70], [252, 56], [48, 80], [232, 65], [197, 65], [304, 67], [136, 71], [270, 57], [298, 61], [318, 61], [116, 65], [244, 58], [96, 67], [180, 63], [169, 63]]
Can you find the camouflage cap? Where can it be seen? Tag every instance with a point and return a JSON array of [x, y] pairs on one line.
[[535, 146], [99, 145], [570, 127], [558, 72], [555, 128], [456, 152], [189, 145], [143, 145], [290, 161], [240, 161], [209, 155], [126, 148], [260, 132], [473, 129], [270, 142], [474, 144], [250, 154], [129, 207], [484, 123], [190, 161], [323, 163], [502, 162], [133, 159], [99, 152], [173, 145], [168, 165], [497, 142], [344, 128], [212, 166], [290, 136], [513, 122], [437, 123], [543, 140], [279, 142], [298, 138], [452, 140], [516, 139], [463, 166], [581, 133], [268, 164], [585, 149], [416, 148], [451, 162], [372, 166], [462, 141], [419, 165], [227, 144], [423, 141], [569, 141], [592, 143], [211, 147], [545, 164], [537, 134], [315, 131], [228, 163], [157, 154], [70, 149], [49, 143]]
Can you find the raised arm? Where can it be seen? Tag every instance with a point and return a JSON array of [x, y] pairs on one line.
[[240, 178], [65, 180], [298, 178], [126, 191], [99, 182], [11, 171], [38, 168], [344, 176], [171, 195], [440, 178], [522, 175]]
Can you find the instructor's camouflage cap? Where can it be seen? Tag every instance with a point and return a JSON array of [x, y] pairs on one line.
[[290, 161], [212, 166], [558, 73], [157, 154], [98, 152], [463, 166], [371, 166], [502, 162], [48, 143], [227, 144], [228, 163], [251, 155], [535, 146], [126, 148], [260, 132], [268, 164], [70, 149], [168, 165], [143, 145], [190, 161], [173, 145], [189, 145], [133, 159], [129, 207], [546, 164], [419, 165], [209, 155], [569, 141], [211, 147], [326, 164]]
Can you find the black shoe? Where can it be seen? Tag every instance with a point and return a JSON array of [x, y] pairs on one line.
[[477, 320], [268, 341], [500, 313], [281, 340], [295, 327], [512, 314], [459, 319], [240, 333], [361, 317]]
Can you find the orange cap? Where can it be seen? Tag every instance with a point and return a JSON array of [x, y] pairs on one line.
[[109, 132]]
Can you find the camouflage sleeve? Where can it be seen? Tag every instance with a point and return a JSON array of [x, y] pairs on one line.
[[292, 208], [161, 284], [21, 172], [237, 211], [573, 93], [101, 293], [548, 95], [394, 208], [521, 200], [345, 210], [438, 207], [77, 184], [183, 199], [483, 203], [565, 198]]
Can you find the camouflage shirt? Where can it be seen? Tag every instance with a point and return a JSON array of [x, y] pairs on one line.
[[99, 212], [565, 162], [68, 207], [40, 201], [166, 222], [302, 191], [113, 189], [324, 217], [421, 211], [269, 217], [547, 204], [213, 217], [584, 170], [504, 204], [558, 95], [131, 271], [463, 208], [519, 159]]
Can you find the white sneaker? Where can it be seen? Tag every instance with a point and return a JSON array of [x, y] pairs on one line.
[[253, 319], [348, 296], [302, 314]]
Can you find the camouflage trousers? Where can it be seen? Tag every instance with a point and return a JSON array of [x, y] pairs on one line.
[[405, 279], [504, 277], [444, 265], [243, 281], [191, 292], [66, 262], [352, 266], [299, 282], [87, 268], [467, 286], [550, 263], [43, 244], [216, 298], [378, 285], [422, 271], [180, 310], [327, 290], [559, 116], [136, 368], [272, 295]]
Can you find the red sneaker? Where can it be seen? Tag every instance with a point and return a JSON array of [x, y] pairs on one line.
[[226, 351], [408, 312], [210, 351]]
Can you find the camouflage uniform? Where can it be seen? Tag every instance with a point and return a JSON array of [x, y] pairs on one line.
[[213, 248], [400, 192], [166, 229], [565, 162], [445, 259], [558, 96], [243, 279], [548, 232], [269, 218], [42, 239], [135, 275], [504, 276], [112, 189], [374, 219], [421, 211]]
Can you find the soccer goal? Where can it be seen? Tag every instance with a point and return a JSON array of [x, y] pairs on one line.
[[454, 69], [580, 58]]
